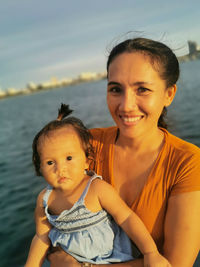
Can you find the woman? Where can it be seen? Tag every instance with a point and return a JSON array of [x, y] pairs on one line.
[[156, 173]]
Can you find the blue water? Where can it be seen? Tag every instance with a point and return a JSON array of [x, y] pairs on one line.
[[21, 118]]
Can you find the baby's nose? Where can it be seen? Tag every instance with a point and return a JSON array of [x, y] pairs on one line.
[[62, 170]]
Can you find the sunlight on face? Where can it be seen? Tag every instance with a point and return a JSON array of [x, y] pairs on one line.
[[63, 159], [136, 95]]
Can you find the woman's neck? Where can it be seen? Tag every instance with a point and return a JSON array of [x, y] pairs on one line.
[[150, 141]]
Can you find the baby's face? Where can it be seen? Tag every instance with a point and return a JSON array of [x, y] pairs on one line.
[[63, 160]]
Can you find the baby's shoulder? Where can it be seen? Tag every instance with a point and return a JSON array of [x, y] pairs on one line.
[[40, 197], [41, 194], [99, 185]]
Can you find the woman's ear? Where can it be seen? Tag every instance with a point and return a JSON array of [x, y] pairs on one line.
[[170, 94]]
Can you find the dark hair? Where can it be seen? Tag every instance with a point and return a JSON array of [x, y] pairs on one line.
[[161, 57], [59, 123]]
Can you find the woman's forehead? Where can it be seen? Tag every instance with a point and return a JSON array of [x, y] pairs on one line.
[[129, 65]]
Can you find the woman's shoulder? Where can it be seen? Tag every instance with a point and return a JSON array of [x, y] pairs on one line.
[[183, 161], [180, 146]]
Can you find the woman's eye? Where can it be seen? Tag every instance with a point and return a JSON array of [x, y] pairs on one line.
[[69, 158], [50, 162], [115, 90], [143, 90]]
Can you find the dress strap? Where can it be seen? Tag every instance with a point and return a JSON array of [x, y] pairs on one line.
[[46, 195], [93, 177]]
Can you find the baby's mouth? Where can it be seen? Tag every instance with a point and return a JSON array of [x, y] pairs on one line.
[[62, 180]]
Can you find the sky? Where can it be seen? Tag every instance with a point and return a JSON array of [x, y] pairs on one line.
[[41, 39]]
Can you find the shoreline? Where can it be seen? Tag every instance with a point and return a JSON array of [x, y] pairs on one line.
[[54, 83]]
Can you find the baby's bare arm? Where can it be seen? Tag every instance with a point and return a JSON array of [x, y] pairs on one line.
[[40, 243], [37, 253], [125, 217], [130, 223]]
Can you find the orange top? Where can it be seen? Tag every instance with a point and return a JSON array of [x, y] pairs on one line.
[[176, 170]]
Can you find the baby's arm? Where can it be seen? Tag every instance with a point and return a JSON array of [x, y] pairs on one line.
[[37, 252], [130, 223], [40, 242]]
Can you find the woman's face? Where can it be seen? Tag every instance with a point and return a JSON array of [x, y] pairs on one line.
[[136, 95]]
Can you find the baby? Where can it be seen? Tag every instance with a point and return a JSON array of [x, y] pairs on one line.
[[78, 211]]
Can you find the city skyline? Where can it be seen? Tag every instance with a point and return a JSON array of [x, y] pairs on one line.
[[43, 39]]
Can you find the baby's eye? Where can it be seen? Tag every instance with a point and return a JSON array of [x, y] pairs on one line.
[[50, 162], [69, 158]]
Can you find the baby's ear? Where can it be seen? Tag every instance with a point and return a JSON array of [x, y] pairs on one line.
[[87, 164], [170, 94]]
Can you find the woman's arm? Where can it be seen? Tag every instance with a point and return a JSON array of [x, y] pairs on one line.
[[182, 231], [62, 259], [40, 243]]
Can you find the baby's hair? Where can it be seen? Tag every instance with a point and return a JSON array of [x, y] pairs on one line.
[[63, 112], [59, 123]]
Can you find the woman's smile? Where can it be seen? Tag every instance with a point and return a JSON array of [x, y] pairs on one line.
[[136, 94], [130, 120]]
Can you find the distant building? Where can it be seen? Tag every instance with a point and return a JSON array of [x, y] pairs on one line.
[[194, 52], [193, 47], [2, 93]]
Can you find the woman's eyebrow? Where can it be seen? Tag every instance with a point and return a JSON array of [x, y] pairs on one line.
[[136, 83], [113, 83]]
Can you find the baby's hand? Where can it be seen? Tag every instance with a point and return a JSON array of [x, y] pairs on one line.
[[155, 259]]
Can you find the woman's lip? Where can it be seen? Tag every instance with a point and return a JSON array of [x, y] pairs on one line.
[[130, 119]]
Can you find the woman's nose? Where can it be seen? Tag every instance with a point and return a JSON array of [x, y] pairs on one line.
[[128, 101]]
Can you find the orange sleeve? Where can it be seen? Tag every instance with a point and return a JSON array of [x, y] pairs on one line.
[[188, 174]]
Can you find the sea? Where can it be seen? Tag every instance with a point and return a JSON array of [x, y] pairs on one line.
[[21, 117]]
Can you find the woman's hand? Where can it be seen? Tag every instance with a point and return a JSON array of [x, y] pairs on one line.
[[60, 258], [155, 259]]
